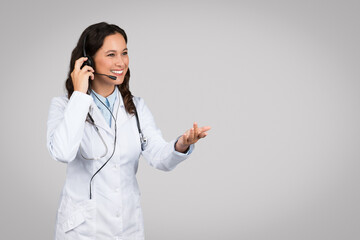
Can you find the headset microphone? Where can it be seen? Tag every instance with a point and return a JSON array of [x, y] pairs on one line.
[[109, 76]]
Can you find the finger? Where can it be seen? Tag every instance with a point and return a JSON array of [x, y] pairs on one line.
[[196, 130], [191, 137], [89, 75], [204, 129], [185, 137], [203, 134], [79, 63], [195, 125], [87, 69]]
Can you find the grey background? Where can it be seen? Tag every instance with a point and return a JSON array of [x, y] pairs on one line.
[[278, 81]]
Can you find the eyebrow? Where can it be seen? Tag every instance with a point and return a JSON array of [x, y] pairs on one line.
[[125, 49]]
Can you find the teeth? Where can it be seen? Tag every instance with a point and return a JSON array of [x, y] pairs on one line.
[[117, 72]]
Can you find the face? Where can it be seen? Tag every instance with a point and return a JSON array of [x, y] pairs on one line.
[[111, 59]]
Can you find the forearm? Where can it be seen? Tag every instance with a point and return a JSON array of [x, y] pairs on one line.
[[66, 126]]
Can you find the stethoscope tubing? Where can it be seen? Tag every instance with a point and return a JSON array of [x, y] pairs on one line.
[[102, 140], [143, 140], [112, 154]]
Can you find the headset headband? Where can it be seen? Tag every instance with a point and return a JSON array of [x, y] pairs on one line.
[[84, 51]]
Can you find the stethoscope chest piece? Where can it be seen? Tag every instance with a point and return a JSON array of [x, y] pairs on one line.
[[143, 141]]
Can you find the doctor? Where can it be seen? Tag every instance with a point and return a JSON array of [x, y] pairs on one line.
[[100, 130]]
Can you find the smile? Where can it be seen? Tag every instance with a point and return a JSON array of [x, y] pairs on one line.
[[117, 72]]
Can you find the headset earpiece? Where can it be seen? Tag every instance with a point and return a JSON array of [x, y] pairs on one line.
[[89, 61]]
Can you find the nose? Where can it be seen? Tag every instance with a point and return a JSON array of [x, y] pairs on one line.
[[120, 61]]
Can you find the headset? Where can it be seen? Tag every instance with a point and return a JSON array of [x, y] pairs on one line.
[[143, 140], [90, 62]]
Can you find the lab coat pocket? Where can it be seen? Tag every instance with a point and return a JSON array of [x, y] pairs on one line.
[[73, 221], [87, 146], [76, 220]]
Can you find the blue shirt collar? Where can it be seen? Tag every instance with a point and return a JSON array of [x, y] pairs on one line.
[[109, 101]]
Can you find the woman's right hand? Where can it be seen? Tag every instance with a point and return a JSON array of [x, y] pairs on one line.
[[80, 76]]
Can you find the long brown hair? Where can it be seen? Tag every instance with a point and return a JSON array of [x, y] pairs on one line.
[[95, 35]]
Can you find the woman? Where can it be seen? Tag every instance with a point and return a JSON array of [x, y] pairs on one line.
[[100, 130]]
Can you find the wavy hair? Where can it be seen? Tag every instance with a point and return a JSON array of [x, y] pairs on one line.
[[95, 35]]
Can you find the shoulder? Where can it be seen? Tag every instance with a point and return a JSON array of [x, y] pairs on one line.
[[141, 107], [139, 102], [59, 101], [78, 97]]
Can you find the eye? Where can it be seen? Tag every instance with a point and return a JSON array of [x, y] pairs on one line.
[[125, 53], [111, 55]]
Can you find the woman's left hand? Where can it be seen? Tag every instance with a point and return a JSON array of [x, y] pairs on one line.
[[191, 136]]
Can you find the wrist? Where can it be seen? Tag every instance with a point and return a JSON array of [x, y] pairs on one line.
[[181, 147], [83, 90]]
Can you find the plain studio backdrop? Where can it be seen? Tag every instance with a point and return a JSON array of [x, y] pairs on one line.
[[278, 82]]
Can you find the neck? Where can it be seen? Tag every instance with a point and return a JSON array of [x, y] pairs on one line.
[[104, 91]]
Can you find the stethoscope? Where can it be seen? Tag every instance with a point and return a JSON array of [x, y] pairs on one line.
[[143, 139]]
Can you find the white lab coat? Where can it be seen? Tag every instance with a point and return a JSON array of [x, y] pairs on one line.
[[114, 211]]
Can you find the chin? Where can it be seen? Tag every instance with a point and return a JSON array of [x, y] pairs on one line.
[[119, 81]]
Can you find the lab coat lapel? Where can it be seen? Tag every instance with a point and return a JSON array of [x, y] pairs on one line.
[[99, 118], [119, 113]]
